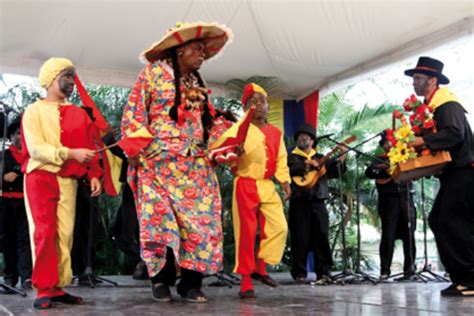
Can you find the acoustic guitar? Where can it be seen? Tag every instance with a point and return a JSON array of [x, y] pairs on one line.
[[313, 174]]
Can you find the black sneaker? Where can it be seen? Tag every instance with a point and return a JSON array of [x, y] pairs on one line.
[[160, 292], [140, 272], [265, 279], [27, 285], [457, 290], [42, 303]]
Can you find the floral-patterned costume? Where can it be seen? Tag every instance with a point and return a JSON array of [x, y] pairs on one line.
[[175, 187]]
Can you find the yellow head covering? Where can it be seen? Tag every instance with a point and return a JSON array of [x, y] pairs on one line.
[[51, 69]]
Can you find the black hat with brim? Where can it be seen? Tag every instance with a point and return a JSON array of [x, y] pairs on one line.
[[430, 67], [309, 130]]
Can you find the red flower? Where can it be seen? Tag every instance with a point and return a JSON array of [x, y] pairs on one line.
[[188, 204], [156, 220], [397, 114], [193, 175], [201, 267], [429, 124], [160, 208], [139, 117], [189, 246], [182, 167], [195, 238], [205, 220], [187, 264], [145, 235], [191, 193], [416, 129], [165, 171], [214, 266], [168, 238]]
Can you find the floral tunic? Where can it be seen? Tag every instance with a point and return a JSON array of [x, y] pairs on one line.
[[176, 189]]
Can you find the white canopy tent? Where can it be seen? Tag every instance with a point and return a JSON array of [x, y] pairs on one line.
[[305, 44]]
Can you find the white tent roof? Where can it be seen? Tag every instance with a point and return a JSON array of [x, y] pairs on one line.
[[306, 44]]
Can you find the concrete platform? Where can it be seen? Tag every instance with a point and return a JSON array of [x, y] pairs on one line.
[[134, 298]]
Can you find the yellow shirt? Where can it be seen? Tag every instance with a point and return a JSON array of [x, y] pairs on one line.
[[41, 131], [264, 155]]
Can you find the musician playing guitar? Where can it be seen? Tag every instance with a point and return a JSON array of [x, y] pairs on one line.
[[308, 216], [394, 214]]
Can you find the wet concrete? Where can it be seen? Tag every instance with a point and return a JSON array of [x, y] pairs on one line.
[[134, 298]]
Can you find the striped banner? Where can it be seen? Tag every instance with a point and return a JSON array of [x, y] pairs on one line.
[[289, 115]]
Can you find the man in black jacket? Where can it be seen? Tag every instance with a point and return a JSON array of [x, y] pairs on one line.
[[308, 218], [452, 216], [15, 224], [396, 210]]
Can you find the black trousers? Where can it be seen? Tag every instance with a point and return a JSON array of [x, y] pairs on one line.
[[81, 228], [395, 211], [126, 231], [452, 223], [189, 279], [309, 229], [17, 250]]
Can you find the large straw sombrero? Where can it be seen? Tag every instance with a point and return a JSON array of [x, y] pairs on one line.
[[214, 36]]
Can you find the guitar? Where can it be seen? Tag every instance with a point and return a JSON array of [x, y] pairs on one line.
[[313, 174]]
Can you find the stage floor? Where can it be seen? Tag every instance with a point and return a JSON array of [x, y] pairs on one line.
[[134, 298]]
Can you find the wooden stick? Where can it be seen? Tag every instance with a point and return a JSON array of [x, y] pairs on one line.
[[105, 148]]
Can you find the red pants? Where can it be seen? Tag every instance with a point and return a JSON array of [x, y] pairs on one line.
[[50, 202], [257, 202]]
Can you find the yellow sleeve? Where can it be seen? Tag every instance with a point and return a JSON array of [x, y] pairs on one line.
[[38, 148], [282, 173]]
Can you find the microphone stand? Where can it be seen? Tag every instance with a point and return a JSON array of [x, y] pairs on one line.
[[347, 275], [6, 287], [88, 273]]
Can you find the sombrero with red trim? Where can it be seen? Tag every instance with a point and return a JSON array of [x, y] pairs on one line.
[[214, 36]]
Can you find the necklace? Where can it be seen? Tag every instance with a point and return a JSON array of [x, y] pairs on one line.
[[189, 81]]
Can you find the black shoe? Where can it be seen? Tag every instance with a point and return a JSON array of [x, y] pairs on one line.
[[42, 303], [160, 292], [27, 285], [458, 290], [67, 298], [195, 296], [384, 277], [301, 280], [140, 272], [249, 294], [324, 280], [265, 279], [407, 277]]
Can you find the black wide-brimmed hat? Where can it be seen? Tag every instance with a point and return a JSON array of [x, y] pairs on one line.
[[307, 129], [13, 126], [431, 67]]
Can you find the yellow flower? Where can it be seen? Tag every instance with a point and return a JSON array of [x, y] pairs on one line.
[[203, 207], [179, 194], [403, 133], [179, 24], [171, 225], [399, 153], [149, 209], [203, 254]]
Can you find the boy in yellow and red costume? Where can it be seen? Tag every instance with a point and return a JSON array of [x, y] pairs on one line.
[[256, 202], [58, 149]]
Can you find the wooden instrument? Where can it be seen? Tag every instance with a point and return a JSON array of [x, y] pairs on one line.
[[420, 167], [313, 174]]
